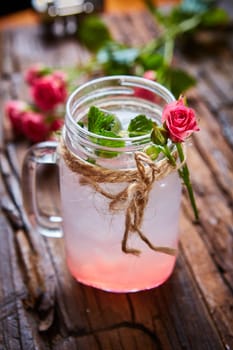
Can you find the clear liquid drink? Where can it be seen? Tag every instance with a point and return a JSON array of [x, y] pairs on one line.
[[93, 237]]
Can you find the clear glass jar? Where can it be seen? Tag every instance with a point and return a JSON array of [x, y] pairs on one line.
[[100, 196]]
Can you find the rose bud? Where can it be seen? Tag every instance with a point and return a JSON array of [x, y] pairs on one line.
[[159, 135]]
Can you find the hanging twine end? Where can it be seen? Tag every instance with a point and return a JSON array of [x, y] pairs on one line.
[[127, 250]]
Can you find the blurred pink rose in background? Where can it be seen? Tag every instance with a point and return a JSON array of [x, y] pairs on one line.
[[34, 72], [15, 111], [144, 93], [48, 91], [149, 74], [34, 126]]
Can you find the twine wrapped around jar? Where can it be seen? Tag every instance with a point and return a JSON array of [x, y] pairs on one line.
[[133, 199]]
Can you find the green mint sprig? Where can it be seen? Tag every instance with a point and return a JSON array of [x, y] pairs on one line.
[[180, 24], [106, 124], [100, 121]]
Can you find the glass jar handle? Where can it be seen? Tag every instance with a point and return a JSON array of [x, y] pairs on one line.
[[41, 153]]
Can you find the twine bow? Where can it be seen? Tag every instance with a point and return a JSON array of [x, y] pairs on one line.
[[133, 199]]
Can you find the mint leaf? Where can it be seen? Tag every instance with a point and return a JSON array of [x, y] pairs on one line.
[[108, 125], [152, 151], [81, 124], [140, 125], [99, 121], [91, 160], [109, 143]]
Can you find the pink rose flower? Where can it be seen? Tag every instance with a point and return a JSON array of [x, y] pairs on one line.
[[179, 120], [49, 91], [15, 111], [34, 72], [34, 126], [144, 93]]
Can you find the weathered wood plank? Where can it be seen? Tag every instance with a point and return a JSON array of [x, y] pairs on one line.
[[214, 149], [215, 292], [168, 304], [213, 73], [10, 320], [226, 121], [133, 30]]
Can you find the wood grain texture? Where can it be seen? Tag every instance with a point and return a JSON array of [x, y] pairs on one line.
[[41, 306]]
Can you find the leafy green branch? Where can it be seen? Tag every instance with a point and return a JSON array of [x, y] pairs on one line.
[[112, 57]]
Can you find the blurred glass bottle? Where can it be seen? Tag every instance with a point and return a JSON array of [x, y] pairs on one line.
[[60, 17]]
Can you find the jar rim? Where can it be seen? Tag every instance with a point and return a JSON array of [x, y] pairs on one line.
[[127, 81]]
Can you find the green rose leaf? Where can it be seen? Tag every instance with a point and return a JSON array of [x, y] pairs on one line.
[[175, 79], [214, 17], [93, 33], [116, 58], [149, 61]]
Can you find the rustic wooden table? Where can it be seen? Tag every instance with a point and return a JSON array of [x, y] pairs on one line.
[[41, 306]]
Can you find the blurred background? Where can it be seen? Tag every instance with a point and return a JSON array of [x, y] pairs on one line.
[[12, 6], [15, 12]]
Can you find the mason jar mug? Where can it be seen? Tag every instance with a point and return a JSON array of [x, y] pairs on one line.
[[120, 208]]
